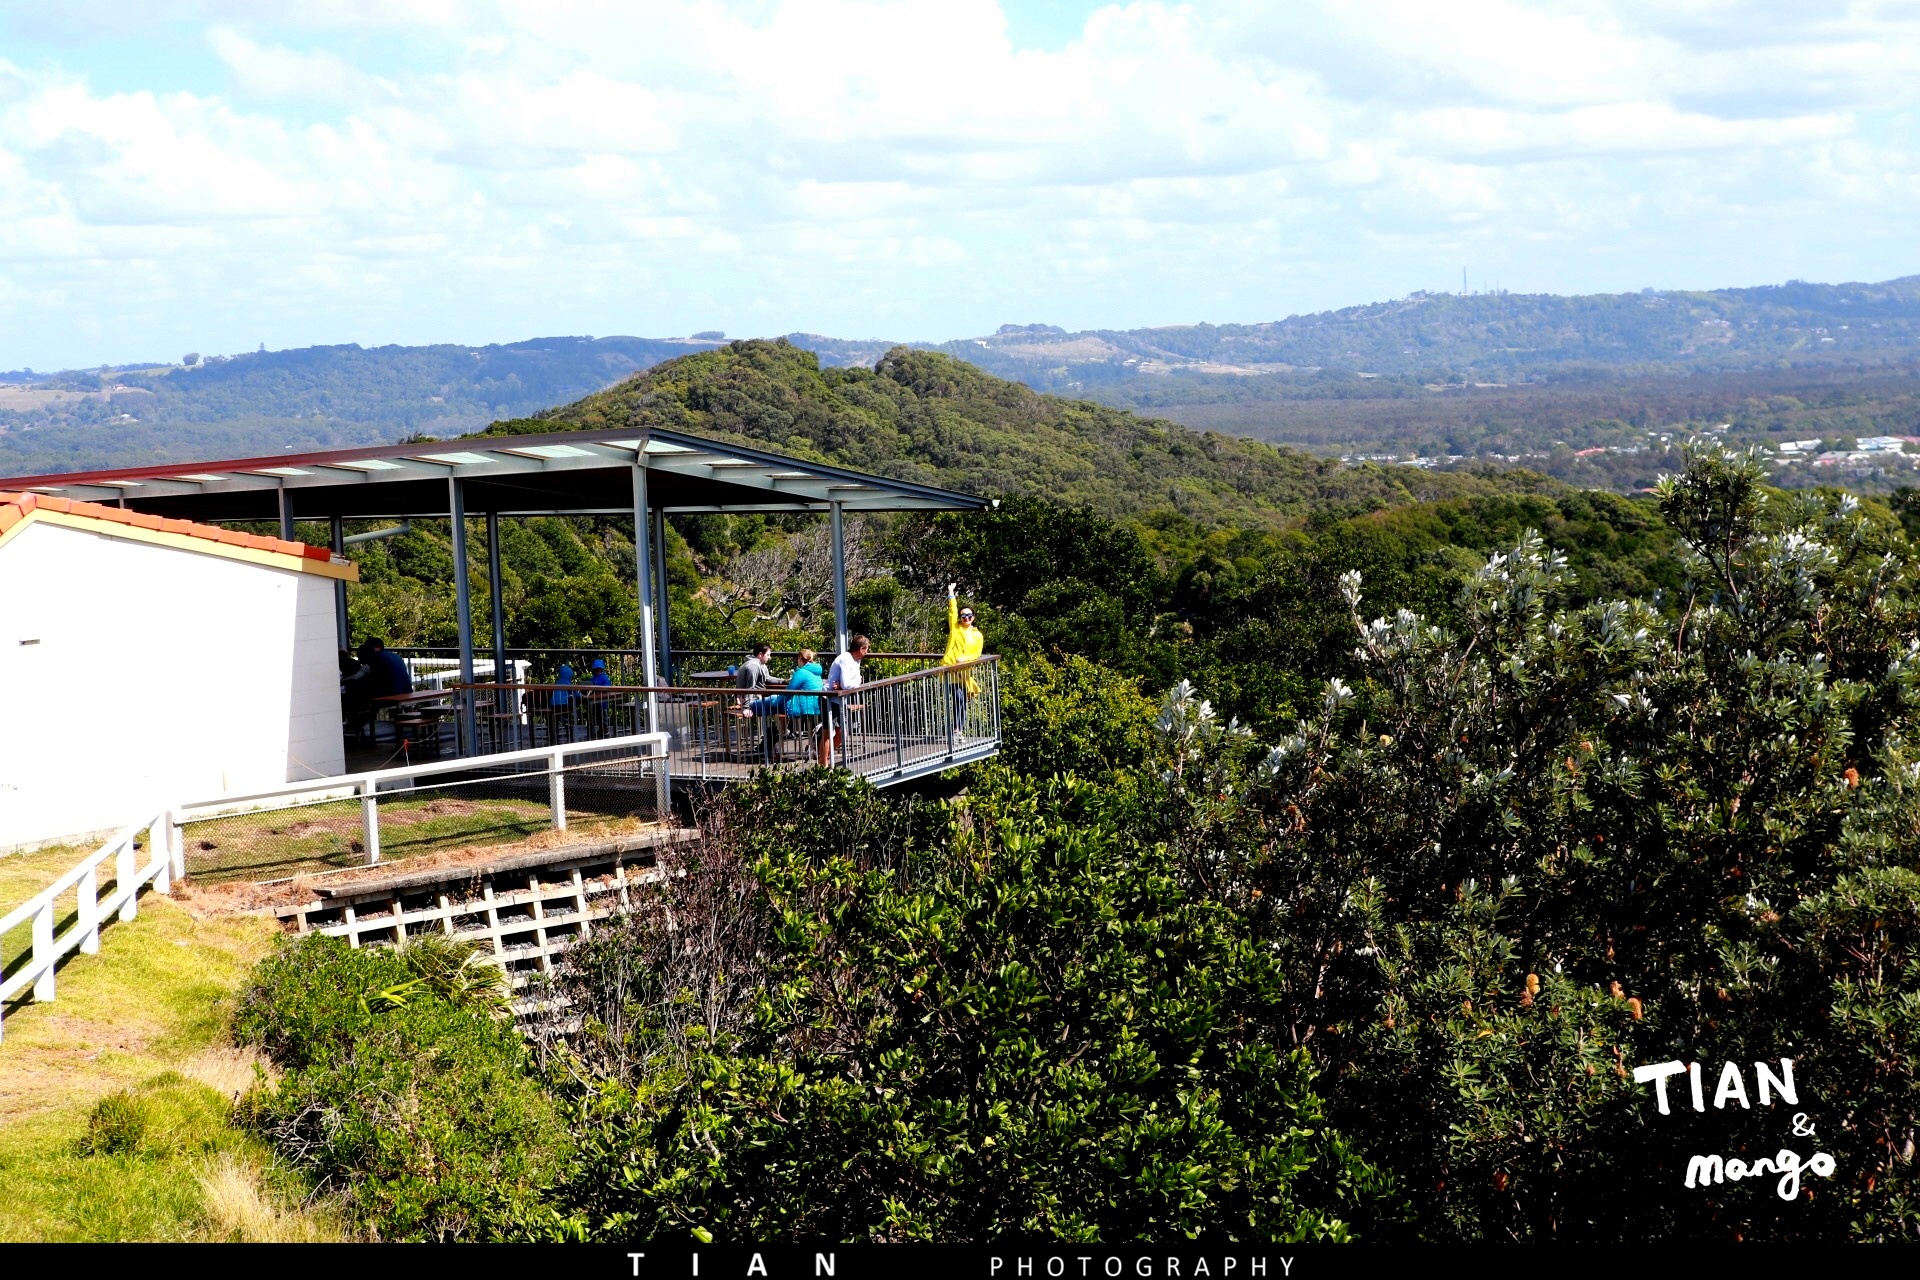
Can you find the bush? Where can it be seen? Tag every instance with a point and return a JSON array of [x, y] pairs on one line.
[[404, 1088], [1073, 716], [1037, 1033], [1542, 845]]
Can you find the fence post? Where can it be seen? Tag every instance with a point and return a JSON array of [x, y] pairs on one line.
[[43, 951], [123, 870], [370, 819], [662, 785], [177, 844], [557, 788], [87, 907], [157, 851]]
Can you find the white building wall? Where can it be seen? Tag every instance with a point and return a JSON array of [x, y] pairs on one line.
[[136, 676]]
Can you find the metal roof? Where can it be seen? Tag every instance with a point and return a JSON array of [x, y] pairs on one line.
[[561, 473]]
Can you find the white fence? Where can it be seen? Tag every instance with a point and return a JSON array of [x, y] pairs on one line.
[[91, 911], [166, 848], [551, 766]]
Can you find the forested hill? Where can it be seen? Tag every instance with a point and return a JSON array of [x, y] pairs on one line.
[[307, 398], [924, 416], [1500, 336]]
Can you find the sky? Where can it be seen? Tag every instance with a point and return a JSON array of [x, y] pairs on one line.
[[211, 175]]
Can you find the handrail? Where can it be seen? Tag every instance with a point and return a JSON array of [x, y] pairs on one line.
[[487, 656], [359, 781], [710, 690]]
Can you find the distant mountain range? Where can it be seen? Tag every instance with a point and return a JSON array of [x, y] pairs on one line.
[[1402, 350]]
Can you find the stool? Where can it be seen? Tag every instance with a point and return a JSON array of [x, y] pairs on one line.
[[414, 729]]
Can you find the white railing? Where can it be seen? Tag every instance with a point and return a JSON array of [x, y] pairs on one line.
[[551, 764], [166, 848], [91, 911]]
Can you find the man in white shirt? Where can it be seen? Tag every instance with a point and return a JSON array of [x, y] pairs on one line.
[[843, 676]]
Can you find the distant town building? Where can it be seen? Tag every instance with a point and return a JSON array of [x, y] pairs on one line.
[[148, 661]]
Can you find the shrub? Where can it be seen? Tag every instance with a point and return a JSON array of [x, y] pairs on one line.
[[1073, 716], [1537, 847], [404, 1088], [1041, 1033]]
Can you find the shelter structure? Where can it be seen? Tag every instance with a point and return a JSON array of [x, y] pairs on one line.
[[145, 658], [644, 474]]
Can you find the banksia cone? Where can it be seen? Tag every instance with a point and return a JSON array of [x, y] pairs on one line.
[[1533, 984], [1613, 989], [1852, 776], [1634, 1004]]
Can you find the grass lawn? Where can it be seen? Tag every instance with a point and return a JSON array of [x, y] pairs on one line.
[[132, 1058]]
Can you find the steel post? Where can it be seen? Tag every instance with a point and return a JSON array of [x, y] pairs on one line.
[[839, 581], [463, 605], [500, 672], [337, 539], [643, 588], [286, 513], [660, 593]]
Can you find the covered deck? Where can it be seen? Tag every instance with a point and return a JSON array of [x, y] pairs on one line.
[[910, 718]]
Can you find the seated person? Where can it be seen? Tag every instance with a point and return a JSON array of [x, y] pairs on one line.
[[807, 678], [389, 670], [754, 673]]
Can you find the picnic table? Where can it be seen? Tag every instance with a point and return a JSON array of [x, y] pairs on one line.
[[421, 711]]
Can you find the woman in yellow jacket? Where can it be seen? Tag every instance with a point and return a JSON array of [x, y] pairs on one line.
[[965, 642]]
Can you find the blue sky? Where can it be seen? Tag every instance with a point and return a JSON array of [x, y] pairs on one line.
[[208, 175]]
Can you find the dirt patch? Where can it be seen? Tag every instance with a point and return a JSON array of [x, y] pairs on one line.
[[438, 809]]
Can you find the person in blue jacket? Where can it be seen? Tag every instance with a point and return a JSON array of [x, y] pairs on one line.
[[807, 678], [600, 677], [560, 696]]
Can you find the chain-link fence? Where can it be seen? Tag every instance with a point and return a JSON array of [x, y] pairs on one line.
[[397, 815]]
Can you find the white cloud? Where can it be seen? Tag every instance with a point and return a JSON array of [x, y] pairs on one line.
[[472, 169], [262, 71]]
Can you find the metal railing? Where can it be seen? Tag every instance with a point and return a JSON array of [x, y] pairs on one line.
[[626, 667], [888, 730], [42, 915]]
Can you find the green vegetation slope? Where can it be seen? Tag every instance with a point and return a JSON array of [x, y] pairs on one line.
[[924, 416]]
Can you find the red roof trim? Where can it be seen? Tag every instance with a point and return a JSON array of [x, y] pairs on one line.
[[15, 506]]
